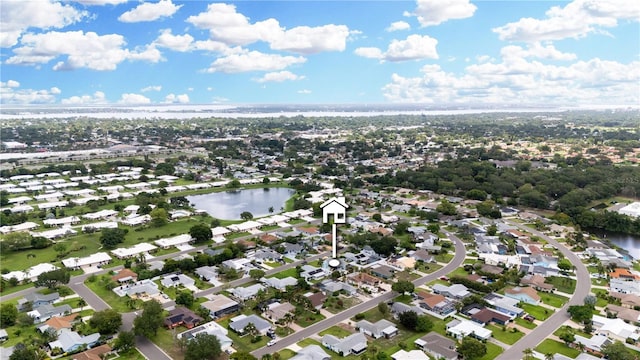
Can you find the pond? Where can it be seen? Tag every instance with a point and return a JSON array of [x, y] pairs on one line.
[[228, 205]]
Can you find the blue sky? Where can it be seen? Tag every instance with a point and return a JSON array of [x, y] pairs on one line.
[[86, 52]]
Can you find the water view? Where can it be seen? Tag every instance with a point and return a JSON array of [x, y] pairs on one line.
[[229, 205], [630, 243]]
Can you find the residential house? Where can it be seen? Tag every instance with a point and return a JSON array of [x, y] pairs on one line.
[[403, 262], [364, 280], [45, 312], [382, 328], [525, 294], [143, 289], [455, 291], [241, 265], [409, 355], [311, 352], [207, 272], [58, 323], [593, 344], [312, 273], [138, 249], [95, 353], [616, 328], [125, 276], [210, 328], [423, 255], [624, 281], [437, 304], [537, 282], [266, 255], [461, 328], [487, 315], [331, 286], [398, 308], [176, 280], [240, 322], [93, 260], [317, 299], [31, 273], [355, 344], [292, 250], [504, 304], [276, 311], [35, 300], [246, 293], [626, 314], [280, 284], [69, 340], [383, 271], [438, 346], [182, 316], [220, 305], [627, 300]]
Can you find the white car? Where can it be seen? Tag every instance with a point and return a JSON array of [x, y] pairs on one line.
[[271, 342]]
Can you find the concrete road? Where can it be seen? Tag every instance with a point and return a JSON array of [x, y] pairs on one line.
[[89, 296], [542, 331], [362, 307]]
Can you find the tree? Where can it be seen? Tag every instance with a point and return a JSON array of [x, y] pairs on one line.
[[148, 323], [565, 264], [159, 217], [446, 208], [528, 354], [60, 248], [408, 319], [377, 217], [106, 321], [245, 215], [567, 336], [200, 233], [383, 308], [81, 303], [424, 324], [242, 355], [402, 287], [53, 279], [590, 300], [256, 274], [492, 230], [580, 313], [126, 340], [471, 349], [617, 351], [110, 238], [215, 222], [21, 352], [185, 298], [8, 315]]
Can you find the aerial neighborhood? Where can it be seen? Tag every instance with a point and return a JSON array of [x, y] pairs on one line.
[[447, 248]]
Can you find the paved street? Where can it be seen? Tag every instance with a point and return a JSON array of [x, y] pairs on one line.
[[542, 331], [362, 307]]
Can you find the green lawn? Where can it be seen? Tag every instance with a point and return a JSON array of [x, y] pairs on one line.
[[165, 339], [335, 331], [539, 312], [493, 351], [552, 299], [563, 284], [309, 318], [116, 302], [562, 329], [555, 347], [286, 354], [506, 336], [524, 323], [429, 268], [332, 304], [407, 276], [287, 273], [243, 342], [599, 282], [309, 341], [444, 258], [11, 289]]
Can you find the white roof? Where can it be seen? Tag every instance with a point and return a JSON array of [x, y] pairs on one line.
[[100, 214], [466, 327], [62, 221], [54, 233], [31, 272], [88, 260], [100, 225], [53, 204], [410, 355], [20, 199], [173, 241], [19, 227], [220, 230], [52, 195], [247, 225], [134, 250]]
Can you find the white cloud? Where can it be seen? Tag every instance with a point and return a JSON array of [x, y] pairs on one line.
[[435, 12], [179, 99], [180, 43], [575, 20], [97, 98], [398, 25], [101, 2], [304, 91], [279, 77], [536, 50], [414, 47], [253, 61], [83, 50], [517, 80], [151, 88], [150, 11], [134, 99], [10, 93], [19, 15], [308, 40], [228, 26]]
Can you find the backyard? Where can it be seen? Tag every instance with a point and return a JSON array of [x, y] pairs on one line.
[[538, 312], [549, 346], [563, 284], [553, 299]]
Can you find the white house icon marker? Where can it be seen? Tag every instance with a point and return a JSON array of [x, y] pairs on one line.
[[335, 208]]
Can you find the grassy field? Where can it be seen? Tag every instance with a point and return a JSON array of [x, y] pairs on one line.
[[165, 339], [539, 312], [243, 342], [287, 273], [555, 347], [286, 354], [116, 302], [309, 318], [506, 336], [524, 323], [552, 299], [429, 268], [335, 331], [493, 351], [332, 306], [563, 284]]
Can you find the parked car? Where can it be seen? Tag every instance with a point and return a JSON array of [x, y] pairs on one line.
[[271, 343]]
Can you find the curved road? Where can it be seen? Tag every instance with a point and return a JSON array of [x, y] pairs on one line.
[[362, 307], [542, 331]]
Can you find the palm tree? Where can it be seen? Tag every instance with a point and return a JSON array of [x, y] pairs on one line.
[[549, 356], [81, 303], [528, 353]]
